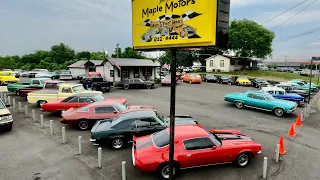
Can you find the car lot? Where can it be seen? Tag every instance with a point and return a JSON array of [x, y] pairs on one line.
[[205, 103]]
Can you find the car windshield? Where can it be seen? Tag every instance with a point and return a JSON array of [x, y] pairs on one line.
[[215, 139], [79, 88], [98, 98], [120, 107], [224, 77], [269, 97], [117, 120], [2, 106], [260, 80], [159, 118], [161, 138]]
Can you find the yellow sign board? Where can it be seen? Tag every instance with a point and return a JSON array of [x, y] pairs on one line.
[[160, 24]]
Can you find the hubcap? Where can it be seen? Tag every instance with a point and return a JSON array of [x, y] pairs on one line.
[[126, 86], [239, 104], [279, 112], [117, 143], [42, 103], [166, 171], [243, 160], [148, 86], [83, 125]]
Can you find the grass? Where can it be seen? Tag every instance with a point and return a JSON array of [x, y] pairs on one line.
[[271, 75]]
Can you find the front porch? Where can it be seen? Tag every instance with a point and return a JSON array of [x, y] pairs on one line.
[[145, 73]]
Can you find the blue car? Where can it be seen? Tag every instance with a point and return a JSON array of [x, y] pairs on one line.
[[280, 93]]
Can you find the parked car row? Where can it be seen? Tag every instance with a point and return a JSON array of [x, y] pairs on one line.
[[117, 124]]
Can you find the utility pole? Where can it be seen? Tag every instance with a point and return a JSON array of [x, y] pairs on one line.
[[117, 50], [285, 61]]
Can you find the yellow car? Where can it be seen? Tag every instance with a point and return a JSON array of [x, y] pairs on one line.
[[7, 77], [243, 81]]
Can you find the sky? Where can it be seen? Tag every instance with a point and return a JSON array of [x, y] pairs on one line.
[[97, 25]]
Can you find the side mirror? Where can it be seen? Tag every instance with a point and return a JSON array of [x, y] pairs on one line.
[[115, 112], [214, 147], [7, 105]]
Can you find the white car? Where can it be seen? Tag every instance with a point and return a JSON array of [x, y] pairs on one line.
[[6, 119]]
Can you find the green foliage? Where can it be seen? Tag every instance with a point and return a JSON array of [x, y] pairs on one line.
[[128, 53], [274, 66], [249, 39]]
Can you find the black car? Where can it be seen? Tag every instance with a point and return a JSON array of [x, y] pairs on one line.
[[96, 83], [135, 83], [259, 82], [210, 78], [119, 131], [224, 80]]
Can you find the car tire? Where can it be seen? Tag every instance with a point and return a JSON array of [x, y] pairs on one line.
[[126, 86], [239, 104], [243, 160], [117, 143], [190, 82], [41, 102], [278, 112], [148, 86], [206, 80], [238, 84], [164, 169], [83, 124], [9, 128]]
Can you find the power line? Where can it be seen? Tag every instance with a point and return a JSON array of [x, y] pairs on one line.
[[298, 35], [307, 43], [294, 15], [285, 11]]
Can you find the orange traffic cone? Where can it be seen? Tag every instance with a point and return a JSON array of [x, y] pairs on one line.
[[298, 122], [282, 149], [291, 130]]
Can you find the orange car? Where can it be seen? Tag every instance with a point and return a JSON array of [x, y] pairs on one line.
[[192, 78]]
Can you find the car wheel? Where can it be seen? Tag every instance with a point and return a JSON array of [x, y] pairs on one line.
[[243, 160], [256, 85], [163, 170], [220, 82], [41, 102], [239, 104], [117, 143], [182, 80], [148, 86], [278, 112], [17, 92], [83, 125], [126, 86], [238, 84], [26, 98], [190, 82], [206, 80], [61, 112], [9, 128]]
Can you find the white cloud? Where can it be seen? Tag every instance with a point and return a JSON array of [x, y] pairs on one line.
[[316, 43]]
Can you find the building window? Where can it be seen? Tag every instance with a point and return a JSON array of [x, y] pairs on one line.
[[221, 63], [211, 63], [118, 70], [232, 62], [111, 73]]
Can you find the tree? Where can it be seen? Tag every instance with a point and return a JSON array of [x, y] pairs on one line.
[[97, 56], [206, 53], [184, 58], [249, 39], [83, 55], [128, 53], [61, 53]]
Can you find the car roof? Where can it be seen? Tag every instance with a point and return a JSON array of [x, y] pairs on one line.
[[274, 88], [255, 92], [88, 94], [103, 103], [189, 132], [139, 113]]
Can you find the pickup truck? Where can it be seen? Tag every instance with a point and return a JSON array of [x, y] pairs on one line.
[[23, 92], [280, 93], [6, 119], [49, 95], [7, 77], [39, 82], [95, 81]]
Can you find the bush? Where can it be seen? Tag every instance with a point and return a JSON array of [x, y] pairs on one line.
[[157, 81]]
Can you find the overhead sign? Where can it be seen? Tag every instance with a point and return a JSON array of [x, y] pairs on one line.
[[161, 24]]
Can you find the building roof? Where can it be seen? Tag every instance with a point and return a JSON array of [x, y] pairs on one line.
[[132, 62], [80, 64]]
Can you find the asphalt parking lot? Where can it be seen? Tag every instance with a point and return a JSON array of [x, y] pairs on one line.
[[205, 103]]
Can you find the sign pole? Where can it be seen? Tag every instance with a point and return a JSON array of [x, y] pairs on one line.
[[309, 95], [173, 70]]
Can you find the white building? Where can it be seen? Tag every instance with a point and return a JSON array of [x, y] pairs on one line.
[[116, 69], [226, 63]]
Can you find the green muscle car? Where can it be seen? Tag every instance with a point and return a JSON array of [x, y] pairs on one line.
[[261, 100], [304, 85]]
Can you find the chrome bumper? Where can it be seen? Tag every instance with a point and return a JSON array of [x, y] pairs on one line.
[[9, 121], [93, 140], [259, 152]]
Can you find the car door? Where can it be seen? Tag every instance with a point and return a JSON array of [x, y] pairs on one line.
[[131, 131], [83, 101], [72, 103], [258, 101], [104, 112], [199, 152], [280, 95], [144, 127], [138, 83]]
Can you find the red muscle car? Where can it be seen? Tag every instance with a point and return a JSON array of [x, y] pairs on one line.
[[23, 92], [194, 147], [77, 101], [87, 116]]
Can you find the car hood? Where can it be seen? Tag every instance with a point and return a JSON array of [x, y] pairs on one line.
[[234, 139], [4, 111], [294, 95], [285, 102]]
